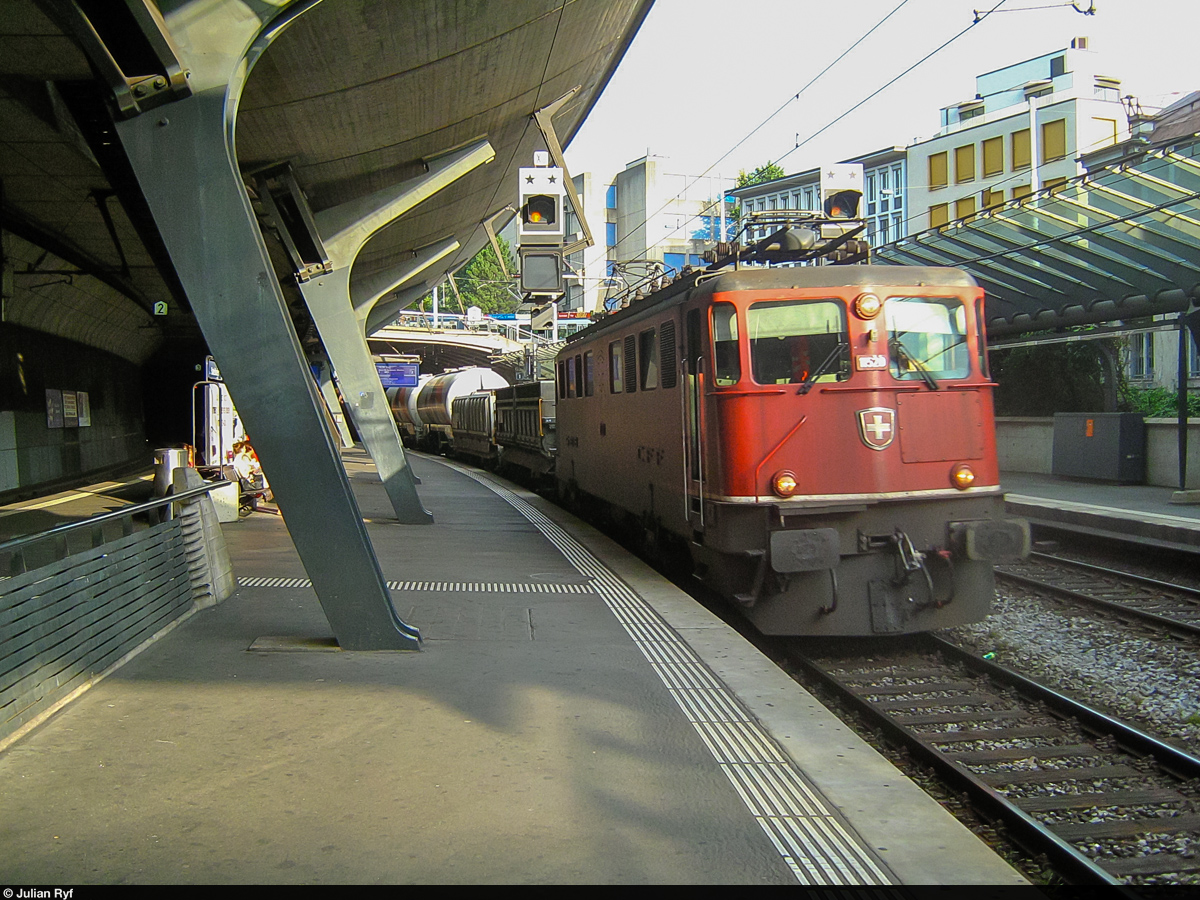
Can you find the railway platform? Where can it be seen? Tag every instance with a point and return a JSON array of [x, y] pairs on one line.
[[1130, 512], [571, 718]]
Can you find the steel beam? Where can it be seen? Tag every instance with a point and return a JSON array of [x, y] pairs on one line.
[[332, 403], [341, 315], [183, 156]]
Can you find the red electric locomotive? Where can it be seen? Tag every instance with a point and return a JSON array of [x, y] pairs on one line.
[[819, 438]]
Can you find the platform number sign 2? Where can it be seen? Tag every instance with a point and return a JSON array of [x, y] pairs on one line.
[[160, 307]]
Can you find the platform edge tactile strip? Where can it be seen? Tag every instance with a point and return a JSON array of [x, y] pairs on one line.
[[809, 836], [445, 587]]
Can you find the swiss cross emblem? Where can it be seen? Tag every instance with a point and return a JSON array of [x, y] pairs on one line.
[[877, 426]]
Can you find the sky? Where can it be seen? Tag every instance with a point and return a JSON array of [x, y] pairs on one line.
[[701, 75]]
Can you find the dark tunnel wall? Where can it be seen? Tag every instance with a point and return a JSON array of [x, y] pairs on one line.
[[43, 379]]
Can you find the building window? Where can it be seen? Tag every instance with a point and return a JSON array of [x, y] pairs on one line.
[[965, 208], [1054, 185], [938, 171], [991, 198], [993, 156], [897, 227], [1054, 140], [939, 215], [610, 197], [871, 194], [897, 186], [1141, 355], [610, 234], [885, 191], [1020, 149], [1106, 132], [1021, 190], [1058, 66], [964, 164]]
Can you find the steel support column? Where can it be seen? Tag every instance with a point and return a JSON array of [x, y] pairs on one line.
[[341, 316], [183, 156], [329, 393]]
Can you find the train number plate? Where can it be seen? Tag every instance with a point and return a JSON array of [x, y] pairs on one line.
[[870, 361]]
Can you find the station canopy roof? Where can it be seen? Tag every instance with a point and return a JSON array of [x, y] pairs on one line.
[[1119, 243]]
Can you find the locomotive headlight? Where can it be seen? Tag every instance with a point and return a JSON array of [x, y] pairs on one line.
[[784, 483], [867, 306], [962, 476]]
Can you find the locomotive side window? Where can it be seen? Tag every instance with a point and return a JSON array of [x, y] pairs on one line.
[[798, 341], [616, 368], [571, 370], [728, 364], [589, 380], [927, 338], [981, 340], [648, 359], [578, 376]]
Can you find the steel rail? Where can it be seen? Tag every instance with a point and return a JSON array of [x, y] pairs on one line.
[[1115, 606], [991, 803]]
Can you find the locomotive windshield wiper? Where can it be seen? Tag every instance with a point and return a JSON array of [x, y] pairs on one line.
[[807, 383], [904, 359]]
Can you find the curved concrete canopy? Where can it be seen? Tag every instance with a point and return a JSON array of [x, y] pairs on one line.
[[355, 95]]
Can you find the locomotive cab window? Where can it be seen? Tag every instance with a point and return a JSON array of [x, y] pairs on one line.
[[728, 364], [798, 341], [927, 338]]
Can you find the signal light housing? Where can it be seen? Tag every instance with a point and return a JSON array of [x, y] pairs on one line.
[[843, 204], [962, 476], [784, 483], [867, 306], [541, 212]]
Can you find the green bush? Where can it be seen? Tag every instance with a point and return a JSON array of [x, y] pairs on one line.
[[1044, 379], [1158, 403]]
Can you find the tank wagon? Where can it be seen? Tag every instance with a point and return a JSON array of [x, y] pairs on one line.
[[403, 402], [435, 402], [818, 441]]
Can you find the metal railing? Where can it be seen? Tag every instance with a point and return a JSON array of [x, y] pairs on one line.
[[76, 601], [58, 537]]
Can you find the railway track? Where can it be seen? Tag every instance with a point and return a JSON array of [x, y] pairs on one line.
[[1160, 604], [1105, 803]]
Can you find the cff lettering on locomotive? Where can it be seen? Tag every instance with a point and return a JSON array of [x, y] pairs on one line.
[[821, 438]]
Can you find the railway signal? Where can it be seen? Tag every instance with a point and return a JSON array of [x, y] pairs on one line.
[[841, 190], [541, 227]]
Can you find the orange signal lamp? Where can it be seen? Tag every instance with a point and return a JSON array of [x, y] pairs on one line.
[[784, 483], [962, 476]]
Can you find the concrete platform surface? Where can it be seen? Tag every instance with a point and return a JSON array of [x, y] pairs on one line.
[[1125, 511], [572, 718]]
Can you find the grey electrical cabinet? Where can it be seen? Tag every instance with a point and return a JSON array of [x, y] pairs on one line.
[[1106, 446]]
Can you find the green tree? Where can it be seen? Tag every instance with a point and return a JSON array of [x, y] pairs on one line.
[[768, 171], [483, 283]]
